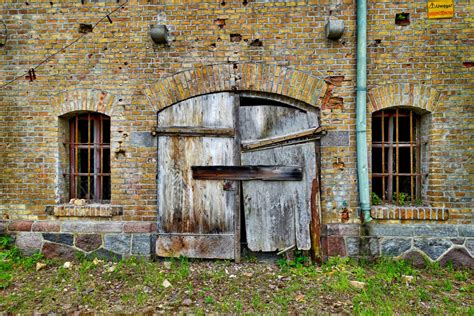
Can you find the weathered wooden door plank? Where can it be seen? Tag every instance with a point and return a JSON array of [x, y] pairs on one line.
[[238, 192], [210, 246], [259, 122], [278, 213], [284, 140], [195, 131], [260, 172], [196, 218], [316, 222]]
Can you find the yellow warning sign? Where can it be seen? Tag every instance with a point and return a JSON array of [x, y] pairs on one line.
[[440, 9]]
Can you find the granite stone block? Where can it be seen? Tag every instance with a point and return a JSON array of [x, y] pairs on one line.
[[118, 243], [395, 246], [66, 239], [433, 247]]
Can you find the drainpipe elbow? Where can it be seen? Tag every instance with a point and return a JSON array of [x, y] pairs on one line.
[[366, 218]]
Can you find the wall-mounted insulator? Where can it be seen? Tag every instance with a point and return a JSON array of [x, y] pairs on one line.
[[31, 75], [334, 29], [159, 34]]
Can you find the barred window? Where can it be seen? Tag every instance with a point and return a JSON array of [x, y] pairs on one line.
[[89, 157], [396, 156]]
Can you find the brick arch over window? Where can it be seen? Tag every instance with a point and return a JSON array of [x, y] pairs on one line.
[[90, 100], [403, 94], [238, 77]]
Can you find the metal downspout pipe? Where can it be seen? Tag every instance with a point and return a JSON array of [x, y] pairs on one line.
[[361, 105]]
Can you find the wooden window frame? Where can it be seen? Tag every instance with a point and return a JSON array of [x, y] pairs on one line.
[[390, 173], [96, 147]]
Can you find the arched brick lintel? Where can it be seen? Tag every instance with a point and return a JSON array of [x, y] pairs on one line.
[[237, 77], [83, 100], [403, 94]]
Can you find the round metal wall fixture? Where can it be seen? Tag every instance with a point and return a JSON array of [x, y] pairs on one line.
[[3, 33], [159, 34], [334, 29]]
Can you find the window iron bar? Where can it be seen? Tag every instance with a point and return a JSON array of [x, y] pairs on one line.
[[100, 133], [89, 157], [383, 156], [404, 174], [76, 153], [418, 157], [400, 145], [411, 158], [401, 114], [397, 158], [83, 174], [86, 144], [95, 153], [390, 159]]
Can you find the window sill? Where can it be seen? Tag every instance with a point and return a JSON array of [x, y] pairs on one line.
[[88, 210], [424, 213]]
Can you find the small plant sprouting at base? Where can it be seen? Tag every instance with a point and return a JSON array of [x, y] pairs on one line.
[[376, 200]]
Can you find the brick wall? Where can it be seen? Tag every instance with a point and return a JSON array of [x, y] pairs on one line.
[[121, 60], [433, 54]]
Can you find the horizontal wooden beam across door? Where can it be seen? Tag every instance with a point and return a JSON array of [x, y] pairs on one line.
[[268, 173], [192, 131], [284, 140]]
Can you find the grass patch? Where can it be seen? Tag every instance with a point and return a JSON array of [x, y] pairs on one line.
[[340, 285]]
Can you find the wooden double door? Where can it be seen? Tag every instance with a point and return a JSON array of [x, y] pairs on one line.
[[220, 159]]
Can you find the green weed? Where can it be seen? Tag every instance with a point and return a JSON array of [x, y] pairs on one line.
[[11, 259], [251, 258], [401, 198], [209, 300], [127, 298], [423, 295], [181, 267], [300, 260], [239, 307], [5, 241], [448, 285], [418, 202], [376, 200], [256, 301], [333, 262], [142, 298], [461, 275]]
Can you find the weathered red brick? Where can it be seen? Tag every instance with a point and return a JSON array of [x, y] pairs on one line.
[[336, 246], [139, 227], [20, 226]]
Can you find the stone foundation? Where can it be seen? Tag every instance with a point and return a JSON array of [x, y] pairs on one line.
[[69, 239], [418, 243]]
